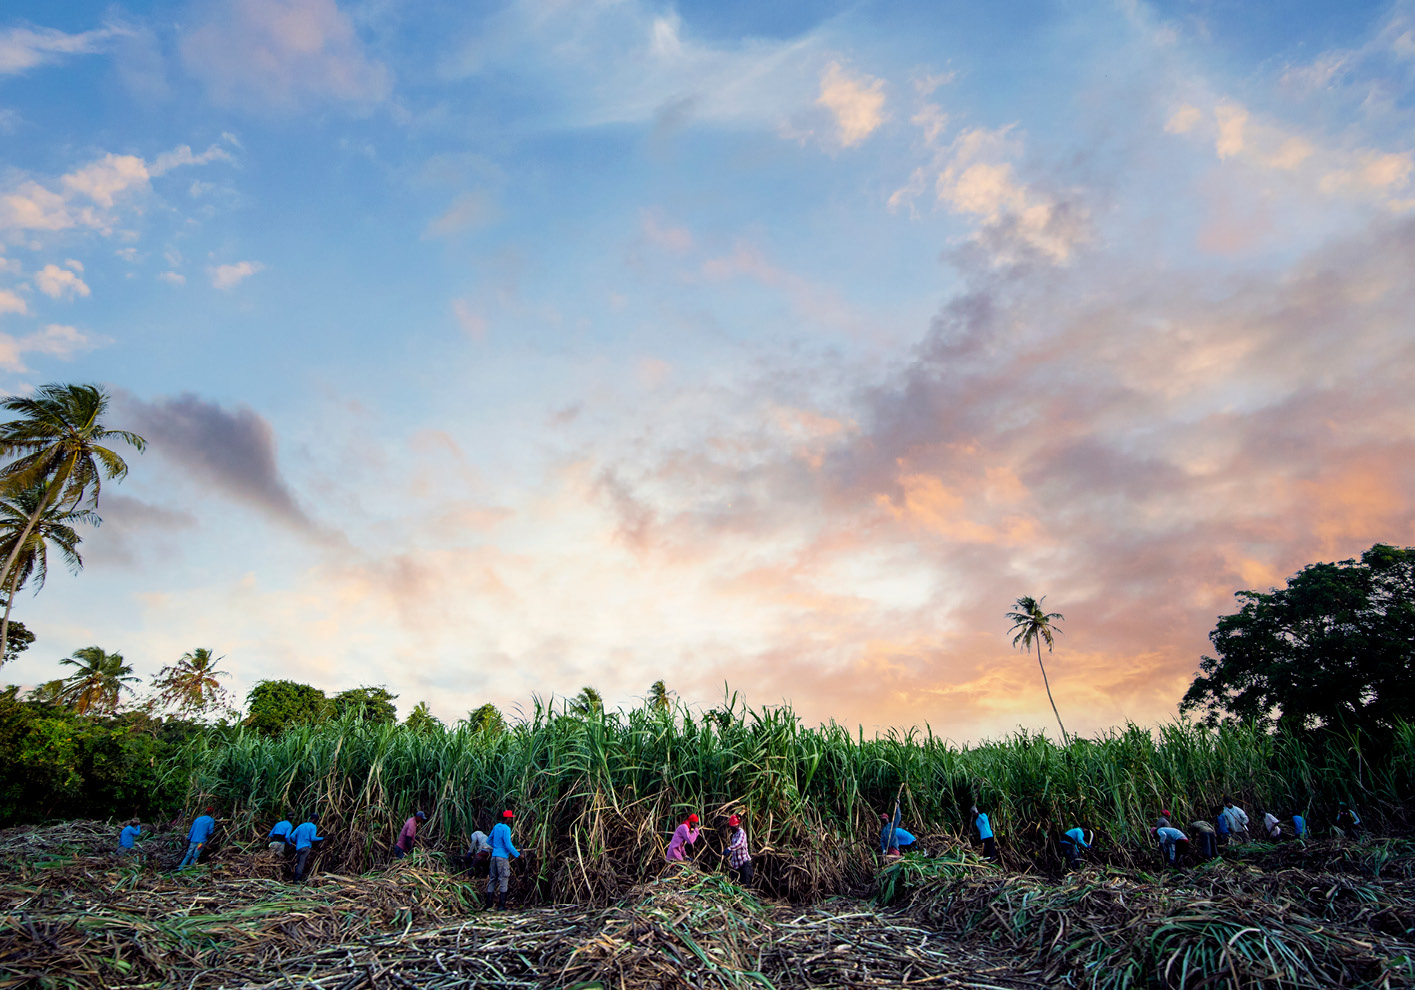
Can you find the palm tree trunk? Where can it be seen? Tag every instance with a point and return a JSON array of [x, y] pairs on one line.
[[5, 624], [1064, 740]]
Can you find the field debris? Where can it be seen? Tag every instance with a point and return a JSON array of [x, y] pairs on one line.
[[75, 915], [1348, 920], [89, 919]]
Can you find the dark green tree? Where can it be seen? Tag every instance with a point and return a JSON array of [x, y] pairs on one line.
[[1333, 647], [21, 638], [372, 704], [421, 719], [275, 705], [486, 718]]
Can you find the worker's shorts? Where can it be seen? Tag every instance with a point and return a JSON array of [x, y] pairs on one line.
[[277, 846], [500, 876]]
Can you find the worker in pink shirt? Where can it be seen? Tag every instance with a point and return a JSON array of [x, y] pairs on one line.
[[408, 836], [684, 835]]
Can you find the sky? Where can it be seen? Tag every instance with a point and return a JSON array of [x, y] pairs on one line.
[[493, 350]]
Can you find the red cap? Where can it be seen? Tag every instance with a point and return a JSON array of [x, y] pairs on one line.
[[507, 814], [692, 818], [1164, 813], [734, 821]]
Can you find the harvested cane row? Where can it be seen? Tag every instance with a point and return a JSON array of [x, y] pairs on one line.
[[64, 926], [1227, 924], [95, 921]]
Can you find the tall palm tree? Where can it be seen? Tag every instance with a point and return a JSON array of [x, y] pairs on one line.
[[98, 682], [191, 685], [659, 697], [1032, 625], [52, 526], [58, 441]]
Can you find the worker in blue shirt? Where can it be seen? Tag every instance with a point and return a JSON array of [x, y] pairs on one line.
[[279, 838], [304, 837], [128, 836], [502, 852], [197, 838], [1221, 827], [1073, 840], [984, 827], [891, 830], [1299, 826]]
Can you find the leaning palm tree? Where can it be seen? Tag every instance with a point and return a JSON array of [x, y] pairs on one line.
[[17, 515], [191, 685], [58, 441], [1032, 625], [98, 682]]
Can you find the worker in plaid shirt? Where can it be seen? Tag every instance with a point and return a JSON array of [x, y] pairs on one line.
[[737, 856]]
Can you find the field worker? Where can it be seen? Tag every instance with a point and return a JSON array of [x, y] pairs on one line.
[[1271, 827], [479, 854], [1237, 820], [1348, 823], [984, 827], [198, 837], [1207, 838], [1299, 827], [1073, 840], [502, 852], [1221, 829], [739, 861], [128, 836], [408, 836], [892, 838], [304, 837], [684, 835], [279, 838], [1174, 844]]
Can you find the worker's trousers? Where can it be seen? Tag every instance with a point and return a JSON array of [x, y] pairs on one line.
[[193, 851]]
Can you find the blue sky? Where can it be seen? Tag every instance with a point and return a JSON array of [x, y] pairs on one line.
[[517, 347]]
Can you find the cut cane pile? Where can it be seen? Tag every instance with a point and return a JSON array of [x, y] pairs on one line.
[[74, 915]]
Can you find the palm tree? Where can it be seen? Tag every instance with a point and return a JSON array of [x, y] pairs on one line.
[[191, 685], [58, 441], [17, 515], [98, 682], [587, 702], [1032, 625], [659, 697]]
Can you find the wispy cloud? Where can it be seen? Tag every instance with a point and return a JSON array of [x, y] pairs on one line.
[[91, 196], [229, 276], [856, 101], [59, 283], [283, 55], [54, 340], [25, 48]]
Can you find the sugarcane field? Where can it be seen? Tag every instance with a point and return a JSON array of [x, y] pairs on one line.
[[870, 869]]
